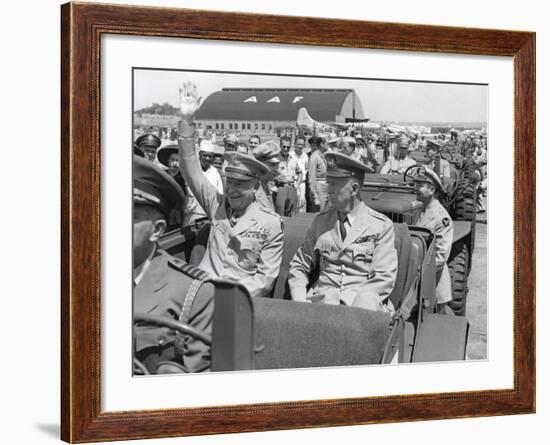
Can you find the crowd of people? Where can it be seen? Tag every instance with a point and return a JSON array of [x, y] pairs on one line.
[[242, 190]]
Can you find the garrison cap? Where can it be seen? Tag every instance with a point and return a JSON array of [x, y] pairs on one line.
[[268, 152], [243, 167], [154, 187], [164, 153], [148, 140], [344, 166], [426, 174]]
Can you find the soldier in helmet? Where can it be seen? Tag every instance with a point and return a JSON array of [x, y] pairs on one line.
[[165, 286], [435, 217], [352, 245]]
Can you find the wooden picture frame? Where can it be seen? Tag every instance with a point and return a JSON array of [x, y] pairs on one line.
[[82, 26]]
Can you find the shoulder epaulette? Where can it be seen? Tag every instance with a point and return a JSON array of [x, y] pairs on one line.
[[379, 215], [188, 269], [269, 210]]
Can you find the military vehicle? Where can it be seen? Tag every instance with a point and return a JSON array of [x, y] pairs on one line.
[[395, 196], [460, 197], [277, 333]]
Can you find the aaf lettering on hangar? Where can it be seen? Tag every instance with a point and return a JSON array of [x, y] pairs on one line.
[[274, 99]]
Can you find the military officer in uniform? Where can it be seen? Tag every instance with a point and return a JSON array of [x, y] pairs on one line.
[[269, 154], [148, 144], [435, 217], [165, 286], [317, 174], [352, 244], [402, 163], [246, 240], [436, 163]]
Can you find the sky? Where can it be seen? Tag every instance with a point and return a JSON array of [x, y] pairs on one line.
[[382, 100]]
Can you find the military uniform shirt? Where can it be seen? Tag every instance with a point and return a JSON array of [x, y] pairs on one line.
[[436, 218], [444, 168], [359, 270], [317, 169], [397, 166], [161, 290], [249, 251]]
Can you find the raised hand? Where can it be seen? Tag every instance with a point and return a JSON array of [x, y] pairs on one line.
[[189, 100]]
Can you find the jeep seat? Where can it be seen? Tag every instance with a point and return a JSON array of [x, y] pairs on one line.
[[289, 334], [409, 259], [294, 233], [266, 333]]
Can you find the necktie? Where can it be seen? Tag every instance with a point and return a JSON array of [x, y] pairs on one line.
[[343, 219], [234, 218]]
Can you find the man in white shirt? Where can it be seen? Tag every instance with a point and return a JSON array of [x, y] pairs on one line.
[[302, 161], [193, 210], [287, 177], [398, 166]]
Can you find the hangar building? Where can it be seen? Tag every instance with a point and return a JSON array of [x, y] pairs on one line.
[[266, 110]]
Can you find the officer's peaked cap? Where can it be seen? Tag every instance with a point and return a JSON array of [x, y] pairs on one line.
[[154, 187], [344, 166], [426, 174], [268, 152], [148, 140], [243, 167]]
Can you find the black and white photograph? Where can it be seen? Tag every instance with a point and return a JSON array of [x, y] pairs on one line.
[[287, 221]]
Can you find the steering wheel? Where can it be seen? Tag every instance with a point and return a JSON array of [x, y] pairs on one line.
[[409, 177], [139, 367]]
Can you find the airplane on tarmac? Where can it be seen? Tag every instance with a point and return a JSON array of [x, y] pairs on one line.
[[305, 121]]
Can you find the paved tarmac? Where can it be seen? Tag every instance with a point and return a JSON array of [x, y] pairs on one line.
[[476, 306]]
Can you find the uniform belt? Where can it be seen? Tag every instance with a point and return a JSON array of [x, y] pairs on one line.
[[279, 183]]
